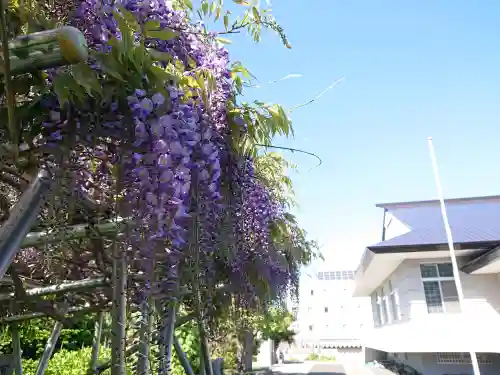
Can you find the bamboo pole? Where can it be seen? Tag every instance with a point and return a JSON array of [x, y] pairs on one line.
[[59, 288], [74, 232], [35, 315]]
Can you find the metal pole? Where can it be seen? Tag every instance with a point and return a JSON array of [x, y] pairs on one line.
[[22, 216], [166, 338], [49, 349], [145, 338], [182, 357], [119, 310], [16, 346], [456, 272], [96, 343]]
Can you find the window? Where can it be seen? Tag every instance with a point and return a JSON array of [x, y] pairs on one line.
[[312, 292], [439, 288], [394, 303], [326, 309], [462, 358], [382, 300], [376, 312], [309, 309], [310, 327]]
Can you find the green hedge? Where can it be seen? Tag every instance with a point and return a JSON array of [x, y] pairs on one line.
[[68, 362], [321, 358]]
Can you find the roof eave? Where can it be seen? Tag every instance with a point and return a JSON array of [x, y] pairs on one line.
[[450, 200], [381, 249], [482, 260]]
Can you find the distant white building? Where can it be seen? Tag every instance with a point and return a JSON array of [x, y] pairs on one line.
[[416, 315], [329, 319]]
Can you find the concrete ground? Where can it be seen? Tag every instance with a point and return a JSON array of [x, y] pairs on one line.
[[320, 368]]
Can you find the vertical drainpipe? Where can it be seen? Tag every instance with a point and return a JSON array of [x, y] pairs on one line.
[[383, 225]]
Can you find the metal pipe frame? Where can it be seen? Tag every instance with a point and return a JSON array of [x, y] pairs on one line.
[[166, 338], [182, 357], [49, 349], [29, 316], [143, 367], [119, 311], [96, 343], [16, 348], [136, 347], [73, 232], [21, 218]]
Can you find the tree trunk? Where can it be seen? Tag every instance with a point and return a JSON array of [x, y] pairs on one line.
[[247, 350]]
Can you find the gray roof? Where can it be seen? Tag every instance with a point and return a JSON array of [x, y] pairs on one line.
[[472, 220]]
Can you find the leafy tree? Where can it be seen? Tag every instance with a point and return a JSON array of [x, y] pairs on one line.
[[275, 324]]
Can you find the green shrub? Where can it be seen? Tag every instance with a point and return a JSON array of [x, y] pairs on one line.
[[68, 362], [312, 357], [326, 358], [322, 358]]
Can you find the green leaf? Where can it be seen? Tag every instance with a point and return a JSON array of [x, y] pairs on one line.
[[223, 40], [165, 34], [125, 29], [256, 14], [87, 78], [129, 18], [110, 66], [160, 56], [160, 74], [61, 88], [204, 7], [190, 81], [152, 25], [226, 21], [139, 56]]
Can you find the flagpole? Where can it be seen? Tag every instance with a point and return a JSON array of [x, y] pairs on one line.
[[458, 283]]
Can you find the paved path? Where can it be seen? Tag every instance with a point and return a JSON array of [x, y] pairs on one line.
[[315, 368], [310, 368]]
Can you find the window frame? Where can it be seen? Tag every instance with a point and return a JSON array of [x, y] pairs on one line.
[[437, 279]]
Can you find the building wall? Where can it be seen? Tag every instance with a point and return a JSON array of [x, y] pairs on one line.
[[449, 331], [427, 364], [331, 311]]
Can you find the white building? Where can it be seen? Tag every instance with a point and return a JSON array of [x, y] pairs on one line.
[[416, 315], [329, 319]]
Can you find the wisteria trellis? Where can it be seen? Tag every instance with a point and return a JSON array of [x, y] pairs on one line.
[[153, 199]]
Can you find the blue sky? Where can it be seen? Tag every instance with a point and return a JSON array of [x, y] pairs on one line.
[[412, 69]]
